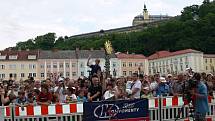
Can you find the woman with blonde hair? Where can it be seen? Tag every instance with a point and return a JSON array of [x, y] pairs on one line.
[[119, 89]]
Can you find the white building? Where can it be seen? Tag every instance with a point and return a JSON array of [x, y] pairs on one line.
[[165, 62]]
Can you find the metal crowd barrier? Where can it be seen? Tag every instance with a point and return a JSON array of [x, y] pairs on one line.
[[160, 109]]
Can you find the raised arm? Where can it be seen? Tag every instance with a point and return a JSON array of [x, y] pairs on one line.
[[88, 60]]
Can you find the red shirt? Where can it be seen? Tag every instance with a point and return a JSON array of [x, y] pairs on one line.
[[42, 97]]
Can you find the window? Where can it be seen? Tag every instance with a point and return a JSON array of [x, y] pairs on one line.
[[22, 74], [41, 66], [136, 72], [12, 75], [42, 75], [55, 65], [22, 66], [67, 74], [32, 57], [2, 66], [61, 65], [180, 59], [48, 66], [130, 64], [206, 67], [114, 64], [73, 73], [210, 60], [206, 60], [124, 73], [32, 66], [82, 65], [186, 66], [186, 59], [30, 75], [12, 57], [82, 73], [150, 71], [2, 76], [181, 67], [141, 64], [130, 73], [34, 75], [124, 64], [67, 65], [73, 64]]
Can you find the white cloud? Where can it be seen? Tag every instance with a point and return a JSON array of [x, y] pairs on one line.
[[24, 19]]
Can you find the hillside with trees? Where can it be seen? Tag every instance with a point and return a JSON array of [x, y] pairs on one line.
[[195, 29]]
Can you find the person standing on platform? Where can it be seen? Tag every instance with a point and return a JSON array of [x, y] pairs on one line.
[[95, 69]]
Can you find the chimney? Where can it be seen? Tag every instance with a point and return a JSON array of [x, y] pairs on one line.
[[91, 49], [77, 49]]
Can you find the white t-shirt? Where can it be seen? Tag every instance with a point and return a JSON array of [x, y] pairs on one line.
[[108, 94], [61, 95], [137, 84]]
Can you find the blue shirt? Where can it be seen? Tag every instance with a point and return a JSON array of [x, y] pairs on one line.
[[201, 103], [163, 89], [81, 99]]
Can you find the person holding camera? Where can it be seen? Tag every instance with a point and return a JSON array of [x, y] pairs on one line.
[[200, 95]]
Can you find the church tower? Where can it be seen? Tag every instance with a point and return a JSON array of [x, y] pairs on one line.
[[145, 13]]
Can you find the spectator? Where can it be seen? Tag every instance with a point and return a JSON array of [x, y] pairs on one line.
[[146, 92], [21, 99], [95, 69], [154, 83], [120, 89], [60, 91], [209, 84], [37, 85], [109, 93], [45, 97], [136, 88], [95, 90], [201, 99], [163, 87], [4, 98], [178, 86], [71, 97], [81, 97], [31, 99]]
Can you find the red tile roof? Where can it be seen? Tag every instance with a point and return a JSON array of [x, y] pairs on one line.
[[130, 56], [209, 55], [163, 54], [21, 55]]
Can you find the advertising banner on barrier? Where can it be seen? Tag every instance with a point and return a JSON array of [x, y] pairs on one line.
[[123, 110]]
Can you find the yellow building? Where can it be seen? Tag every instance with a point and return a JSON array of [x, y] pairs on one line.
[[18, 65], [209, 63], [132, 63]]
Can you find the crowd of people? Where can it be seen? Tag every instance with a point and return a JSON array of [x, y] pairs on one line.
[[64, 90]]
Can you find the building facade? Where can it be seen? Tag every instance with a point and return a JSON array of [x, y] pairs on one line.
[[132, 63], [165, 62], [18, 65], [146, 18], [209, 63], [57, 63]]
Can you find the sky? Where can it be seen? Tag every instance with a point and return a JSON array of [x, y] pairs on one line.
[[21, 20]]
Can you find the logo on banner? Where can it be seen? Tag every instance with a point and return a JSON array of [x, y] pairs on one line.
[[105, 111]]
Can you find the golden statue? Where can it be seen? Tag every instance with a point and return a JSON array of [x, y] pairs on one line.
[[108, 47]]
